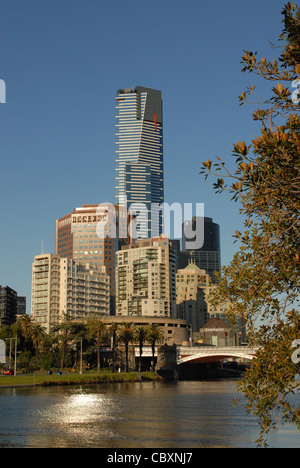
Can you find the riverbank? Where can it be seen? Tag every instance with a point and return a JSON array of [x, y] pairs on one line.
[[42, 380]]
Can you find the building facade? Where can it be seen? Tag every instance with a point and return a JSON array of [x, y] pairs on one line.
[[192, 285], [93, 234], [145, 279], [139, 180], [207, 257], [64, 287], [8, 306], [175, 331], [21, 306], [217, 333]]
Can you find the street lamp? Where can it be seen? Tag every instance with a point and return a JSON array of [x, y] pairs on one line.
[[15, 363], [80, 372]]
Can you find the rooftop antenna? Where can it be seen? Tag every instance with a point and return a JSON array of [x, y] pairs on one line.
[[42, 246]]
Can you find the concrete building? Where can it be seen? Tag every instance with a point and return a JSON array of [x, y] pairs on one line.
[[216, 333], [64, 287], [175, 331], [193, 287], [145, 279], [92, 234], [8, 306]]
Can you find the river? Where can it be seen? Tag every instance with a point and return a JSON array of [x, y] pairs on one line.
[[183, 414]]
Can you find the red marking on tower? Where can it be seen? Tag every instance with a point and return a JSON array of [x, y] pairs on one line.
[[155, 122]]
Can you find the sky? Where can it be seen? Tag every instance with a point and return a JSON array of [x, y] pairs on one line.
[[63, 61]]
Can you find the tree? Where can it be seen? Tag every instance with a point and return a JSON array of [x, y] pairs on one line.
[[126, 335], [26, 324], [37, 336], [97, 330], [141, 335], [262, 281], [66, 334], [155, 335]]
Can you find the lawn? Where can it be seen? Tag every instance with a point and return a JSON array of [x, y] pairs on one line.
[[74, 378]]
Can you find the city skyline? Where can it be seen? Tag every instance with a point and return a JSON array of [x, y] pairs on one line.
[[57, 125]]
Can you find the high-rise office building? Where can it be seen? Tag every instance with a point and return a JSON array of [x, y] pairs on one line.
[[90, 236], [8, 306], [139, 157], [63, 287], [21, 306], [207, 257]]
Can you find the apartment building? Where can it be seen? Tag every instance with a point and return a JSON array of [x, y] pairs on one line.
[[63, 287], [145, 279]]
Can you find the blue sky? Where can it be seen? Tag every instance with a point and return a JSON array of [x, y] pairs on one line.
[[63, 61]]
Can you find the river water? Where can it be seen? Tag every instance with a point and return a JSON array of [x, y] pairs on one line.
[[184, 414]]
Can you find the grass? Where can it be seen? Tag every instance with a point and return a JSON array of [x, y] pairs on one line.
[[75, 379]]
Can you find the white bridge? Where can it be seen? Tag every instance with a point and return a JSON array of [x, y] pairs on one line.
[[202, 354]]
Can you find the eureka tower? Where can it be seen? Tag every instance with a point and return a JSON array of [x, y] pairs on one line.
[[139, 157]]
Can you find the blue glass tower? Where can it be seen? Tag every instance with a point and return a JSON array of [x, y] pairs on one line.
[[139, 156]]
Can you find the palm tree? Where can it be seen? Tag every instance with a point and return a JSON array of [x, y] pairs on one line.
[[97, 330], [26, 325], [141, 335], [66, 334], [126, 334], [78, 332], [114, 330], [37, 335], [62, 335], [155, 335]]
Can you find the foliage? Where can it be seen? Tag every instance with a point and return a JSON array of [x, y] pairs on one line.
[[155, 335], [141, 335], [126, 335], [62, 347], [97, 330], [262, 281]]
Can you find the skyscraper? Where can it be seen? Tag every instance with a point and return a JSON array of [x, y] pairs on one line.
[[8, 306], [77, 236], [208, 257], [139, 157]]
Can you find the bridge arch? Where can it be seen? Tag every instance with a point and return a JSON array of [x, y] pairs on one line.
[[202, 356]]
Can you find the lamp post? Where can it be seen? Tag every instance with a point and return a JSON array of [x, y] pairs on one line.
[[15, 363], [80, 372]]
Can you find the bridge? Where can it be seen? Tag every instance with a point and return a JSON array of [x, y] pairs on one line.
[[204, 354]]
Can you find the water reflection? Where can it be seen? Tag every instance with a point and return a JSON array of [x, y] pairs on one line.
[[145, 414], [82, 418]]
